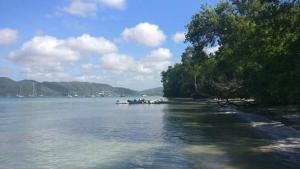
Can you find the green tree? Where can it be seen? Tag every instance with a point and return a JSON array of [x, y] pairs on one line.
[[258, 55]]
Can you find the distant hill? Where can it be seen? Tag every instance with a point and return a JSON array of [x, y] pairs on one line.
[[153, 92], [9, 87]]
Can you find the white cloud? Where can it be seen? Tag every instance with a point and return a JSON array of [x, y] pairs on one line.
[[179, 37], [157, 61], [87, 43], [211, 49], [159, 54], [49, 56], [118, 62], [8, 36], [81, 8], [44, 50], [7, 71], [153, 63], [119, 4], [89, 8], [121, 69], [145, 33], [90, 78], [87, 66]]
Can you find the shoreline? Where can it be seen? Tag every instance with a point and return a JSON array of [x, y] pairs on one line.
[[284, 137], [289, 115]]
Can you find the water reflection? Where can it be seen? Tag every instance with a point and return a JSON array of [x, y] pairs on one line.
[[97, 134], [215, 139]]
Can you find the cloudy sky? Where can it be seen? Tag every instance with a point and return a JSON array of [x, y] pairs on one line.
[[120, 42]]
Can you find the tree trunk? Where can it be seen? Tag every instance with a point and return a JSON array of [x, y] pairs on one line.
[[195, 84]]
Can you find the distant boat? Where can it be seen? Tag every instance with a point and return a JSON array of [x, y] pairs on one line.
[[33, 94], [19, 96], [68, 95], [136, 101], [143, 101], [41, 95], [101, 94], [19, 93], [119, 102]]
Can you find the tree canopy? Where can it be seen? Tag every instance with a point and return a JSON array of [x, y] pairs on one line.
[[258, 53]]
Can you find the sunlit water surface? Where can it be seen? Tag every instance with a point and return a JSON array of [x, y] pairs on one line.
[[95, 133]]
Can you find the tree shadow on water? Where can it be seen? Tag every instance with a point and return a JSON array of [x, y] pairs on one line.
[[212, 135]]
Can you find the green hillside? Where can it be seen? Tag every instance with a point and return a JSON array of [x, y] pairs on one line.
[[9, 87], [153, 92]]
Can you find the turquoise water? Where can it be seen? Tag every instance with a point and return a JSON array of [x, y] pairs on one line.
[[95, 133]]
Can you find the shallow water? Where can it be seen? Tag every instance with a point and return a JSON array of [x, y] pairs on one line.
[[94, 133]]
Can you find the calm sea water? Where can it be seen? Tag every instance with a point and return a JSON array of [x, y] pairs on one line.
[[95, 133]]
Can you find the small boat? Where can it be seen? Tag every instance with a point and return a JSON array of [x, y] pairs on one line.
[[136, 101], [19, 93], [143, 101], [68, 95], [19, 96], [119, 102], [158, 102]]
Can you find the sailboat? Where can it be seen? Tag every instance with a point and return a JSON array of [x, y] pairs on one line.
[[69, 95], [41, 95], [19, 93], [102, 93], [33, 94]]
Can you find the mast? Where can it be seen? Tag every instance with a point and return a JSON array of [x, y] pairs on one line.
[[19, 92], [41, 92], [33, 89]]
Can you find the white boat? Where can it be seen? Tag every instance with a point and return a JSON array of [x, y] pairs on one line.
[[119, 102], [19, 93], [68, 95], [19, 96], [41, 95], [33, 94]]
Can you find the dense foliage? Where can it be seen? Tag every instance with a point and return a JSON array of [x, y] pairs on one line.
[[258, 56]]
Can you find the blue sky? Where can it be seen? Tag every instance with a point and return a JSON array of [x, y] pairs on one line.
[[120, 42]]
